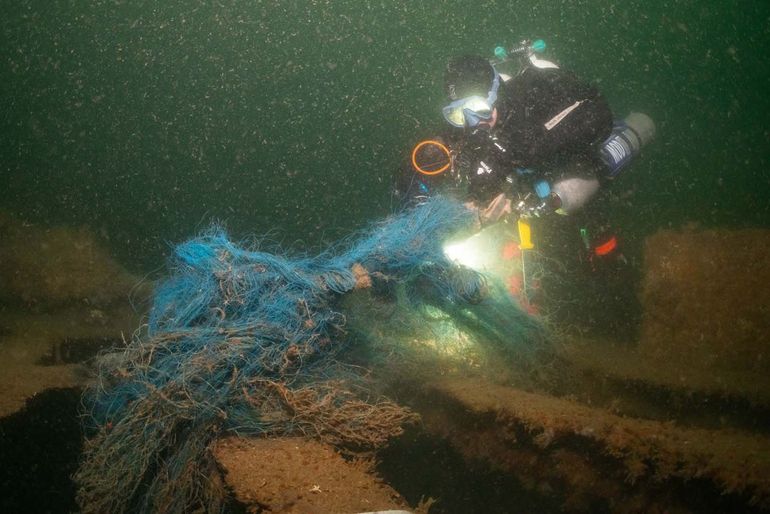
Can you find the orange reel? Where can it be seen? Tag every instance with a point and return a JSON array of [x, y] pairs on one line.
[[426, 169]]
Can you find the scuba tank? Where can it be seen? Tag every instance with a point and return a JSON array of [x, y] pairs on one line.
[[626, 140]]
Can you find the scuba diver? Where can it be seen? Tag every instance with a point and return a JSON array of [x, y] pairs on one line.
[[529, 141], [535, 141]]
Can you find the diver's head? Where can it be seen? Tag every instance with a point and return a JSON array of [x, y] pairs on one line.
[[471, 85]]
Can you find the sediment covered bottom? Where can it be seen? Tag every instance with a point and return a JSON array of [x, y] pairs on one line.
[[596, 459], [294, 475]]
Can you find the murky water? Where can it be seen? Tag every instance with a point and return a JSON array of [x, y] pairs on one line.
[[144, 122]]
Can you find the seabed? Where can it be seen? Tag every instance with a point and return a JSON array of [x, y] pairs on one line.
[[674, 421]]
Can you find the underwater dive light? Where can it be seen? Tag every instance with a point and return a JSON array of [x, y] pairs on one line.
[[479, 252], [467, 252]]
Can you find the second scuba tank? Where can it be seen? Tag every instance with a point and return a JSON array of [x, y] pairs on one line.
[[627, 139]]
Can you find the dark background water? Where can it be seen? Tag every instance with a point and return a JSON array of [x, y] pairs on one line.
[[145, 120]]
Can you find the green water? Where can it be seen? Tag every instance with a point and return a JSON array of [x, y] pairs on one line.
[[146, 120]]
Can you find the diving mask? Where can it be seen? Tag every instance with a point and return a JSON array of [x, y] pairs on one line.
[[471, 110]]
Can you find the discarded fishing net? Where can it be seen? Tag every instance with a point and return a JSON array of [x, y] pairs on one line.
[[418, 333], [248, 342]]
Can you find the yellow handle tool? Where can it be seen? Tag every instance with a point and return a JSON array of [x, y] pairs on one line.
[[525, 243], [525, 235]]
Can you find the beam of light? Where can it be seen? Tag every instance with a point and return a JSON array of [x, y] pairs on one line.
[[476, 252]]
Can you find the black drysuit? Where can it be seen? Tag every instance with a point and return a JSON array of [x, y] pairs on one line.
[[549, 123]]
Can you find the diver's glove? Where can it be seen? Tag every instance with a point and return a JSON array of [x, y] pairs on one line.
[[497, 209]]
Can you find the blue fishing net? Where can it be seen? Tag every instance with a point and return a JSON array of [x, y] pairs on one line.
[[250, 342]]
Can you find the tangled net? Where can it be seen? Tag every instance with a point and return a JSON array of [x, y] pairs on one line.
[[248, 342]]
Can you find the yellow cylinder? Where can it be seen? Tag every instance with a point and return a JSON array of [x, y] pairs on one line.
[[525, 235]]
